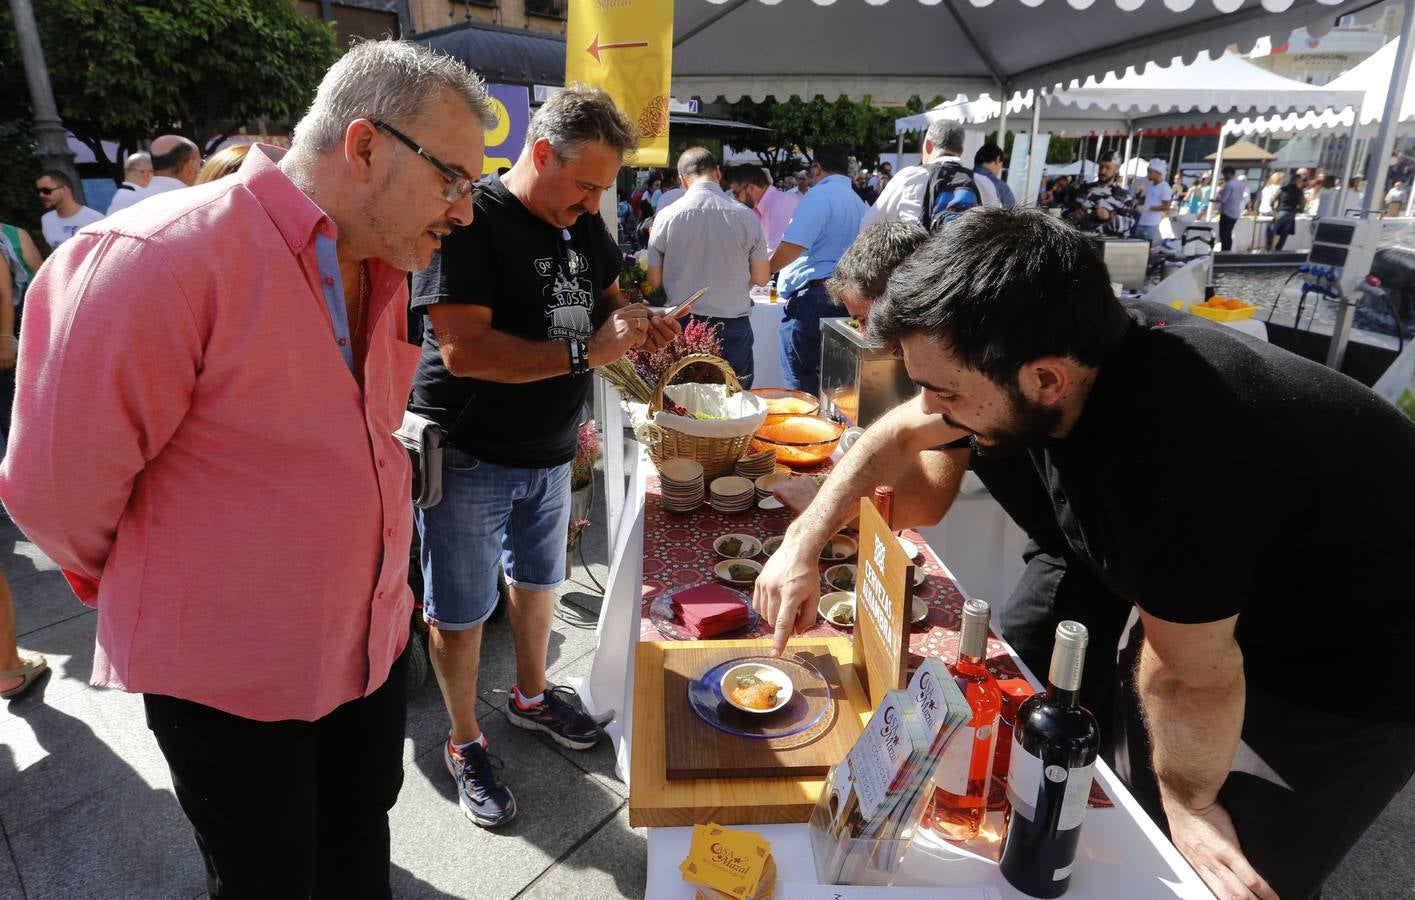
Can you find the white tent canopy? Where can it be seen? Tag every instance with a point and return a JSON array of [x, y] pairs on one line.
[[1181, 94], [890, 50], [1372, 77]]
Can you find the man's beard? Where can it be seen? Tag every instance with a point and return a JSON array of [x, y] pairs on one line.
[[1028, 426], [401, 254]]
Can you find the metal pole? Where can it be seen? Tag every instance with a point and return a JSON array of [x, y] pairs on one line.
[[1375, 168], [49, 132], [1002, 117], [1033, 169], [1350, 162]]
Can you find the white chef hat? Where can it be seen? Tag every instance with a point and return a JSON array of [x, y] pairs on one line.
[[1160, 166]]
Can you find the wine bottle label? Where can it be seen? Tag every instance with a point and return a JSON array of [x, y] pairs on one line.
[[1078, 792], [965, 746], [1024, 781], [1025, 774], [957, 757]]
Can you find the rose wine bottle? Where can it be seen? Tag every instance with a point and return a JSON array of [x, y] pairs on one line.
[[1054, 745], [964, 774]]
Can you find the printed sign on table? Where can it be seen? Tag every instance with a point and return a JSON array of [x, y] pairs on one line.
[[883, 598], [626, 47]]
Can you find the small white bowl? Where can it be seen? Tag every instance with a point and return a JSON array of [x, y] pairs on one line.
[[843, 546], [831, 601], [723, 570], [772, 544], [769, 503], [765, 673], [834, 572], [750, 546], [920, 576], [910, 548]]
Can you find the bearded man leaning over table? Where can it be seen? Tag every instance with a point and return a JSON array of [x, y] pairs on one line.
[[1241, 719]]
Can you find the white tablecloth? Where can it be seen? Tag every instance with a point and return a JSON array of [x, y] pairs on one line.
[[766, 343]]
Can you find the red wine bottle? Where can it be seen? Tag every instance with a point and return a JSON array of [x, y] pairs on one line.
[[1054, 745]]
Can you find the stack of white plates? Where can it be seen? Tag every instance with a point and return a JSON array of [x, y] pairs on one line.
[[755, 465], [681, 483], [765, 483], [732, 494]]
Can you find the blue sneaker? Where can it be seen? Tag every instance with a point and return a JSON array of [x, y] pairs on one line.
[[564, 722], [483, 797]]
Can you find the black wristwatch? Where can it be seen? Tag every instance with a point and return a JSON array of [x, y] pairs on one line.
[[579, 356]]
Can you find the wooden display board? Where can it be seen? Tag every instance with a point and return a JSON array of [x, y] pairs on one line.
[[654, 800], [695, 749], [884, 596]]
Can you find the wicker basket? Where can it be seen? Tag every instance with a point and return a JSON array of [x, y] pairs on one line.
[[718, 455]]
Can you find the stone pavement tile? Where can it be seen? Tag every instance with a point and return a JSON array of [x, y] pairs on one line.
[[598, 761], [55, 754], [9, 875], [437, 849], [498, 658], [18, 557], [41, 600], [1380, 865], [68, 647], [613, 863], [128, 841]]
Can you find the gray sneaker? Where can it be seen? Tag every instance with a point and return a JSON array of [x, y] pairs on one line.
[[484, 798], [557, 717]]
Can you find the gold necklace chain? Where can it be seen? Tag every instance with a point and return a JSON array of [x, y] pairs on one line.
[[358, 324]]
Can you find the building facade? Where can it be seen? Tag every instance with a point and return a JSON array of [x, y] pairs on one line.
[[375, 19]]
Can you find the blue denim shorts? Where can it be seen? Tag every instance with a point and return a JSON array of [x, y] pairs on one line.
[[490, 516]]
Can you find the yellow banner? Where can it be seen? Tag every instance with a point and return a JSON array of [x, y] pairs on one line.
[[626, 47]]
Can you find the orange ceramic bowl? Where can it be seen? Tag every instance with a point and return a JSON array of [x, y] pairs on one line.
[[786, 402], [799, 440]]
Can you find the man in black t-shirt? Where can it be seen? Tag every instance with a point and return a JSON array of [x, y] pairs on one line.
[[520, 305], [1261, 714], [1289, 203]]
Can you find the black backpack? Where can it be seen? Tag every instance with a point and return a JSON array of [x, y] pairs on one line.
[[951, 192]]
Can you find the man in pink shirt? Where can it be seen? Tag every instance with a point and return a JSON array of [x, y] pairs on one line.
[[750, 185], [202, 441]]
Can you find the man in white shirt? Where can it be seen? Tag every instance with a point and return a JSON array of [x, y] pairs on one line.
[[175, 162], [1155, 205], [708, 240], [137, 175], [903, 197], [1231, 201], [66, 215], [803, 184]]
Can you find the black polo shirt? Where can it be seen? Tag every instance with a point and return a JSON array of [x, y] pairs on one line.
[[1212, 475]]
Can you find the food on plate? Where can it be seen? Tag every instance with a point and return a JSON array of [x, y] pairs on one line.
[[841, 578], [731, 547], [754, 693], [842, 613], [742, 573]]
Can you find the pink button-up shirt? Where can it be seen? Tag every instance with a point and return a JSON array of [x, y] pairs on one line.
[[191, 447], [775, 211]]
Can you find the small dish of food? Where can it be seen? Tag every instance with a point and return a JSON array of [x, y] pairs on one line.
[[769, 503], [910, 548], [920, 576], [738, 571], [737, 546], [841, 577], [772, 544], [756, 688], [838, 608], [918, 612], [838, 548]]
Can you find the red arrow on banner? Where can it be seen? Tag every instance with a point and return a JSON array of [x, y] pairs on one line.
[[595, 46]]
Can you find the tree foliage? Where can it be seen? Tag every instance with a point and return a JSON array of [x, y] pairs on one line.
[[125, 71], [799, 126]]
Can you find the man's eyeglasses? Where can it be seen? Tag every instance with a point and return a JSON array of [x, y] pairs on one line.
[[459, 187], [45, 192]]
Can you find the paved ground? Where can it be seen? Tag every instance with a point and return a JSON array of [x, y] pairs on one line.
[[86, 805], [87, 810]]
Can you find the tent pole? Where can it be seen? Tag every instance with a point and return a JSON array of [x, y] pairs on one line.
[[1033, 167], [1350, 162], [1129, 142], [1002, 116], [899, 154], [1375, 167], [1183, 142]]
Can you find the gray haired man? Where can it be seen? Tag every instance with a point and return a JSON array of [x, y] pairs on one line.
[[520, 307], [903, 197], [137, 174]]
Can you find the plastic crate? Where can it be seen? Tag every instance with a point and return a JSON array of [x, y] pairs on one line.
[[1223, 315]]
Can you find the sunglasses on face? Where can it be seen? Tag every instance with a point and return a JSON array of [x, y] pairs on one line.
[[459, 187], [45, 192]]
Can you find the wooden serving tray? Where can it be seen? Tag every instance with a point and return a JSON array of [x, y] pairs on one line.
[[654, 800], [695, 749]]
